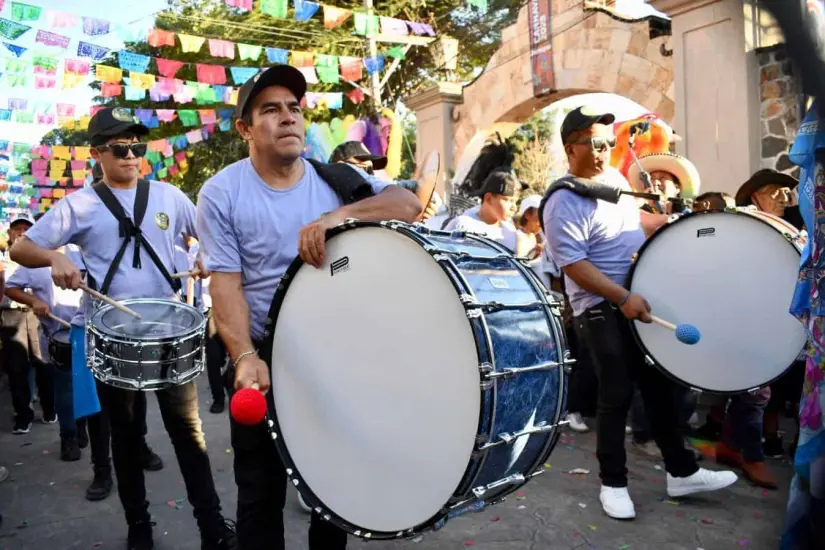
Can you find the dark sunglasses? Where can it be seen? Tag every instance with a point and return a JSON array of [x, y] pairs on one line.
[[599, 144], [121, 150]]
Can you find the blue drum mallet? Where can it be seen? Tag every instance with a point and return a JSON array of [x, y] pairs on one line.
[[687, 334]]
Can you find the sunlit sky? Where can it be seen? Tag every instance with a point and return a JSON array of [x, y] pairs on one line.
[[123, 12]]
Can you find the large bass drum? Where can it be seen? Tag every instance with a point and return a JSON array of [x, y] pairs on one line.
[[416, 376], [731, 274]]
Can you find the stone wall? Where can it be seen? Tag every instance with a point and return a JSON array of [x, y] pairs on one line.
[[779, 107]]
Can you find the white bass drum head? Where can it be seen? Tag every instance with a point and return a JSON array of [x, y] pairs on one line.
[[376, 381], [732, 276]]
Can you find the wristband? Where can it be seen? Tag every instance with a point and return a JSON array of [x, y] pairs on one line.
[[624, 300], [241, 356]]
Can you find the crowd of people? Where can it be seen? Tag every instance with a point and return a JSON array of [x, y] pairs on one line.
[[256, 215]]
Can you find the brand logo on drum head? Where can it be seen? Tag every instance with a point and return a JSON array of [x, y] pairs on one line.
[[706, 232], [339, 266]]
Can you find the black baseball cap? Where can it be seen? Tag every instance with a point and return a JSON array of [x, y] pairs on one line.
[[583, 118], [501, 181], [278, 75], [114, 121], [350, 149]]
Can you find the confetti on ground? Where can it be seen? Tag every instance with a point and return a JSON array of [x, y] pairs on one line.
[[180, 482], [582, 471], [469, 543], [592, 527], [176, 504], [624, 547], [672, 502], [18, 463], [418, 539], [757, 515], [765, 493], [548, 466], [744, 542], [657, 467], [569, 447], [706, 521], [98, 543], [45, 452], [693, 518], [495, 518], [576, 534], [680, 514], [582, 505], [522, 507], [229, 451]]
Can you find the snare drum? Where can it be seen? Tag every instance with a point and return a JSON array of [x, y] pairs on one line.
[[60, 349], [429, 364], [732, 274], [166, 347]]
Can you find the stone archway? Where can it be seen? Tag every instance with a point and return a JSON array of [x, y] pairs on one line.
[[592, 52]]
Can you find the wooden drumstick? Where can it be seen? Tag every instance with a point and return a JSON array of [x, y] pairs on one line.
[[58, 320], [106, 299], [662, 322], [190, 291], [183, 274]]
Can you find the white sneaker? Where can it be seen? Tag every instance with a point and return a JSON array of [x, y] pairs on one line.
[[576, 423], [304, 506], [616, 502], [701, 481]]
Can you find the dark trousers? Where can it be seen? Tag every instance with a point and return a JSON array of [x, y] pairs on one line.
[[742, 429], [215, 360], [262, 483], [582, 385], [618, 363], [179, 410], [685, 401], [19, 353]]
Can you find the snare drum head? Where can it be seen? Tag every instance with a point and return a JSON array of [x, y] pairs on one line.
[[375, 380], [732, 275], [159, 319]]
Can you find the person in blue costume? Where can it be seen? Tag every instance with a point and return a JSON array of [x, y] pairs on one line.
[[804, 528]]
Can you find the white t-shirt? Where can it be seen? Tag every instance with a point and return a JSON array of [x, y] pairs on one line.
[[504, 233]]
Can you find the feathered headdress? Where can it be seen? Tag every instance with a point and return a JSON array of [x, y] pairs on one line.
[[496, 153]]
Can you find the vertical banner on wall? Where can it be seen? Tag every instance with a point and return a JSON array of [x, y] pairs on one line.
[[541, 46]]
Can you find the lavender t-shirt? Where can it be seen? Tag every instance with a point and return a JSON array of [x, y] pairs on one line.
[[606, 234], [62, 303], [247, 227], [82, 219]]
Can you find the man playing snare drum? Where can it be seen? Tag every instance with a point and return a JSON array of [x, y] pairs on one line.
[[89, 219], [254, 217], [593, 242]]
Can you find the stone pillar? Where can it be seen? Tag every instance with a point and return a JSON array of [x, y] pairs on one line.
[[717, 103], [779, 108], [433, 109]]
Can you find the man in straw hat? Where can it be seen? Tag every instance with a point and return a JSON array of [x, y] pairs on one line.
[[771, 191], [671, 176]]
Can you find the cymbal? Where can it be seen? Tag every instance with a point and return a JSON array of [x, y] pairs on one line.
[[427, 177]]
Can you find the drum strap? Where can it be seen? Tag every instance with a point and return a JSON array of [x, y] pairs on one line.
[[347, 183], [583, 187], [131, 230]]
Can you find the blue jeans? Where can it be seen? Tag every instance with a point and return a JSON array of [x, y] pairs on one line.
[[743, 424], [63, 400]]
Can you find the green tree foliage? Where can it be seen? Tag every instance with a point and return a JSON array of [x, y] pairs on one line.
[[477, 32]]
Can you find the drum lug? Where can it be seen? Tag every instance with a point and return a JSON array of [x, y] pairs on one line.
[[487, 385], [468, 300], [754, 391], [505, 438], [474, 313], [515, 479], [649, 361]]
